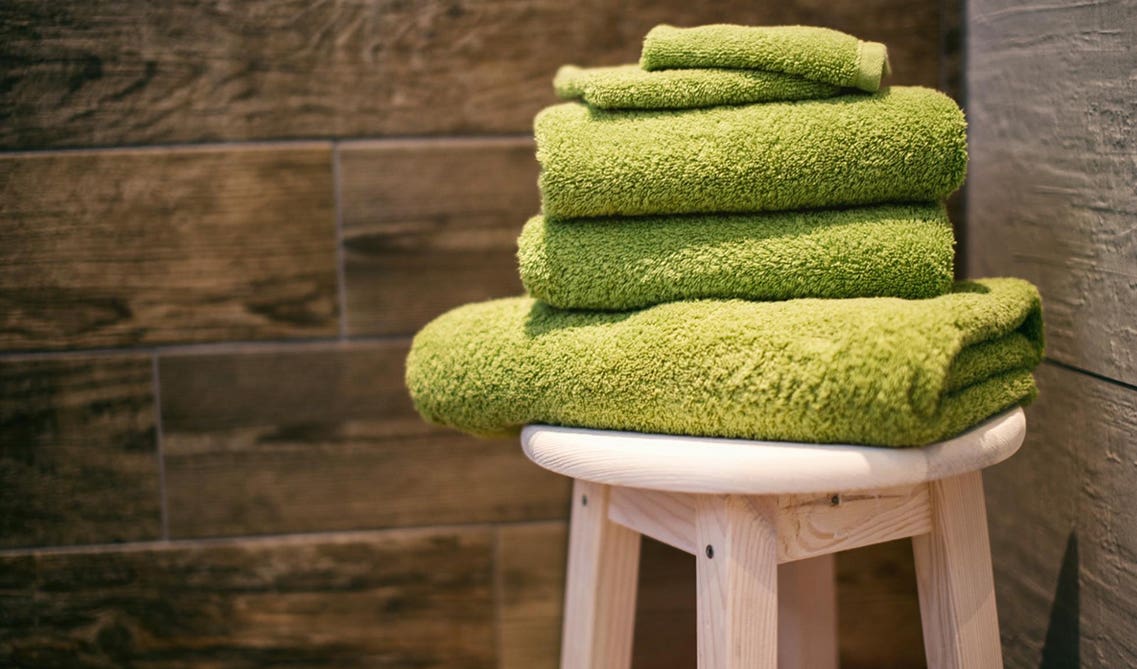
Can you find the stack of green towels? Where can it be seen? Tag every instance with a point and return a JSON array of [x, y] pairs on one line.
[[741, 236]]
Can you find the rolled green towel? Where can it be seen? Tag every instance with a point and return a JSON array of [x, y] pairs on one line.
[[901, 144], [819, 54], [881, 370], [628, 263], [630, 87]]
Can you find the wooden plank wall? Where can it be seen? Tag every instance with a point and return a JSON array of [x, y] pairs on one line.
[[1052, 199], [221, 223]]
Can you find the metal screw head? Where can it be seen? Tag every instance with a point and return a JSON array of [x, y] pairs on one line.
[[710, 551], [584, 500], [835, 500]]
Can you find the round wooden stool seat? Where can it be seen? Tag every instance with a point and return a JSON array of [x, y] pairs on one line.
[[740, 466]]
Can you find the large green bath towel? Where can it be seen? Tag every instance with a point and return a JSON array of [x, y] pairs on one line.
[[627, 263], [630, 87], [813, 53], [901, 144], [882, 371]]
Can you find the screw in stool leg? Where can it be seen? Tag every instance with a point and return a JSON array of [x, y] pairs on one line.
[[737, 582]]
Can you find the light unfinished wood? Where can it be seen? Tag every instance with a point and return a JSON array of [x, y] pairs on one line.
[[808, 525], [740, 466], [807, 614], [663, 516], [953, 574], [817, 524], [600, 593], [736, 576]]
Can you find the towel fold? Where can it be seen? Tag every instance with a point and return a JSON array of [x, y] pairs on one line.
[[903, 144], [628, 263], [881, 371], [630, 87], [818, 54]]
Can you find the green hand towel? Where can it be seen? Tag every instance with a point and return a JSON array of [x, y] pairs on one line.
[[901, 144], [819, 54], [879, 370], [629, 87], [628, 263]]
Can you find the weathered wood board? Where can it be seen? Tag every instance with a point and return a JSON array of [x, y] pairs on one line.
[[78, 451], [143, 247], [122, 73], [324, 437]]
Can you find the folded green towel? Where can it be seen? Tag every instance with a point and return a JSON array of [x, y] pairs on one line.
[[630, 87], [878, 370], [627, 263], [901, 144], [819, 54]]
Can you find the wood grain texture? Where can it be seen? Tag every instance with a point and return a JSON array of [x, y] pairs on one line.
[[953, 573], [83, 74], [600, 587], [531, 560], [736, 575], [1051, 197], [1063, 538], [153, 247], [419, 598], [807, 614], [78, 451], [878, 612], [431, 225], [667, 517], [324, 437], [812, 525]]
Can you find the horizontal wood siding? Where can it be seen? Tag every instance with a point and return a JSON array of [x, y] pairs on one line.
[[325, 438], [78, 451], [428, 226], [419, 598], [146, 247], [126, 72]]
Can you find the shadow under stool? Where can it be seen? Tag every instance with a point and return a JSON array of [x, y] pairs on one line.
[[763, 520]]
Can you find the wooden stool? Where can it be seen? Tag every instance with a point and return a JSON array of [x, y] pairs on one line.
[[743, 508]]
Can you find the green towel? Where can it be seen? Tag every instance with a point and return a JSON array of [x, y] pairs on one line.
[[901, 144], [627, 263], [819, 54], [629, 87], [878, 370]]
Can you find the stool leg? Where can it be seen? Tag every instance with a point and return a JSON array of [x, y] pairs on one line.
[[600, 592], [807, 614], [953, 573], [736, 571]]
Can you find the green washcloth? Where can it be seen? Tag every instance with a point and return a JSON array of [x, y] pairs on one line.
[[818, 54], [901, 144], [628, 263], [630, 87], [881, 370]]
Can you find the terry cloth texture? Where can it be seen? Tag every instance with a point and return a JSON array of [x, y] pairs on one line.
[[882, 371], [628, 263], [903, 144], [629, 87], [819, 54]]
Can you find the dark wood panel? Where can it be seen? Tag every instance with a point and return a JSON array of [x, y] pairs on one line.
[[531, 571], [878, 610], [1051, 93], [431, 225], [78, 451], [325, 438], [147, 247], [392, 599], [666, 625], [110, 73], [1063, 538]]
